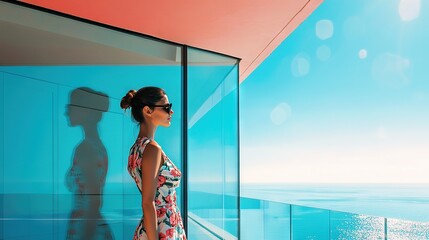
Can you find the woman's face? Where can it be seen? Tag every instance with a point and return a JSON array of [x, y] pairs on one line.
[[160, 115]]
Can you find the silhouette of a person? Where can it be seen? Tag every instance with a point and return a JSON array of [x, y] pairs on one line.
[[87, 174]]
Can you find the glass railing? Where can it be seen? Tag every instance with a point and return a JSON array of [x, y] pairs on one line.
[[201, 229], [262, 219]]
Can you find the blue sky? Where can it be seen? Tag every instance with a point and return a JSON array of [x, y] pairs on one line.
[[343, 99]]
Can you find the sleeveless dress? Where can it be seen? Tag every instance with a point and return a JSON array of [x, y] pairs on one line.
[[170, 225]]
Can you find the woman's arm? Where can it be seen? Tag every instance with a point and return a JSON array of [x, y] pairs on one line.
[[151, 162]]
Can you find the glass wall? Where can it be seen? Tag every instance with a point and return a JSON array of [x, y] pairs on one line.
[[65, 140], [212, 145]]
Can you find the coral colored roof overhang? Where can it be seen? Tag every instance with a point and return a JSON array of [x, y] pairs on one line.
[[249, 30]]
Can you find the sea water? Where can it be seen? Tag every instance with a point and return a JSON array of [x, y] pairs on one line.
[[402, 201]]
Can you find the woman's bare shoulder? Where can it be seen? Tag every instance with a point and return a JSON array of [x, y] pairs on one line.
[[154, 144], [152, 152], [153, 148]]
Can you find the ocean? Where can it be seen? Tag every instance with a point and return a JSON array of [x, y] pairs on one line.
[[400, 201]]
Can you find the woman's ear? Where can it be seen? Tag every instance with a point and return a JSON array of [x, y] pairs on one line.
[[146, 110]]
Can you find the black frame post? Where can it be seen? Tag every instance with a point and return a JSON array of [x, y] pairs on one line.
[[185, 136]]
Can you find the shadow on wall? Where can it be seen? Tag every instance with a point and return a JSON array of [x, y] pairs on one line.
[[87, 174]]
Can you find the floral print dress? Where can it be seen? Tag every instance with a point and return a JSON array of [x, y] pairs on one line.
[[170, 225]]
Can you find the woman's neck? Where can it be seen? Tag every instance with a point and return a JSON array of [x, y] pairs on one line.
[[146, 130]]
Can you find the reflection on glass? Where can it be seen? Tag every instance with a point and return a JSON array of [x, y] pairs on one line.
[[87, 174]]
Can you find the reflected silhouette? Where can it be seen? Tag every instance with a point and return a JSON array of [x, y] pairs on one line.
[[87, 174]]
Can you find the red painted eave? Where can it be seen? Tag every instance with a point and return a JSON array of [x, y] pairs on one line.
[[249, 30]]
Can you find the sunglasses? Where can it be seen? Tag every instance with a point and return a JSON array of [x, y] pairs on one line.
[[166, 107]]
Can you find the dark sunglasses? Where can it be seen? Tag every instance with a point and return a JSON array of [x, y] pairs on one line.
[[166, 107]]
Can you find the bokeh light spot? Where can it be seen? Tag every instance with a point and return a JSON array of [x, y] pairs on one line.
[[280, 113], [324, 29], [409, 9], [300, 65], [363, 53]]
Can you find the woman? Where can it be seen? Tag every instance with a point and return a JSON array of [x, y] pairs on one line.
[[154, 173]]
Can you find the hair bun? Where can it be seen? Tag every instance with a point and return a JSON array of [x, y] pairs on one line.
[[126, 100]]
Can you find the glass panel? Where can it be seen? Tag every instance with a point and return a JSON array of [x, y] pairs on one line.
[[213, 143], [199, 232], [54, 176], [401, 229], [29, 155], [355, 226], [251, 218], [264, 219], [276, 220], [66, 138], [310, 223]]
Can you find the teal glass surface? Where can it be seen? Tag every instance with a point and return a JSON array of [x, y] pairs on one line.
[[251, 218], [261, 219], [65, 140], [309, 223], [40, 152], [29, 152], [276, 220], [52, 143], [212, 144]]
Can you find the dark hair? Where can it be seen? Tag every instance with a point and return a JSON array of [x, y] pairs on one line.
[[136, 100]]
